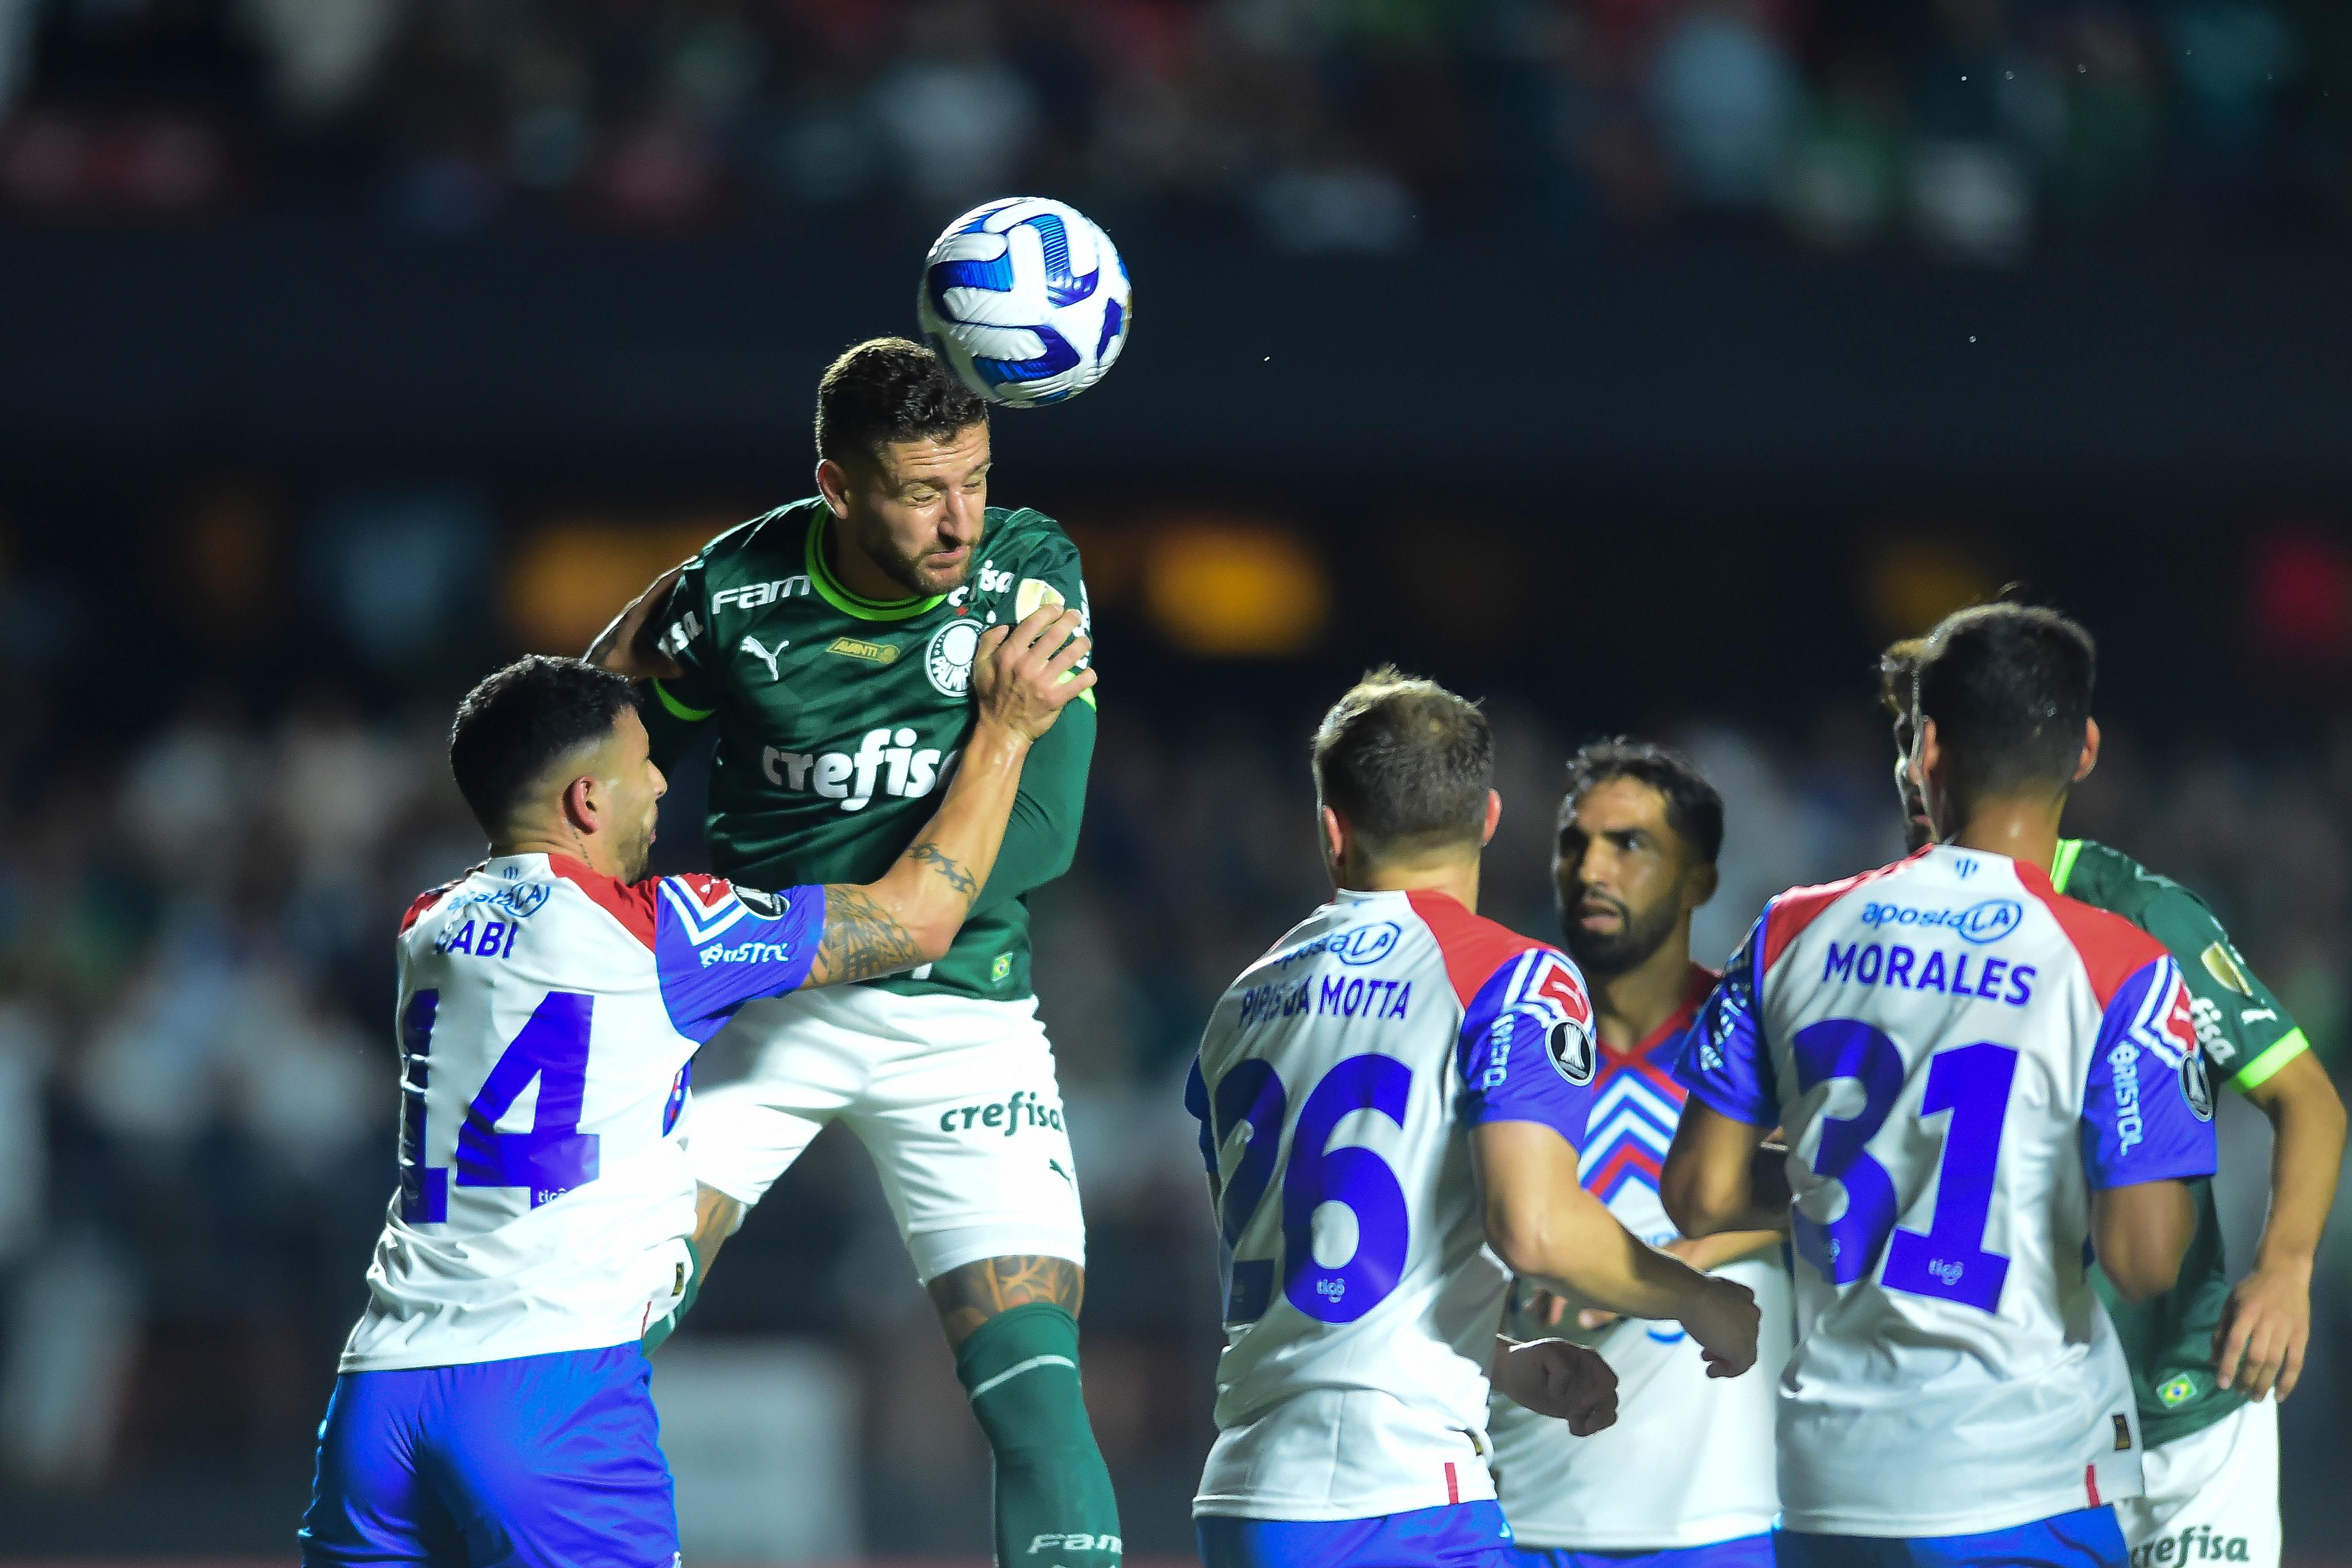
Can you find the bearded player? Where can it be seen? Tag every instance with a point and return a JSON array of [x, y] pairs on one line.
[[1684, 1477], [829, 643], [1389, 1104], [2202, 1354]]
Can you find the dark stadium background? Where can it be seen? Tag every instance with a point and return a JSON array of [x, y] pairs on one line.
[[1632, 364]]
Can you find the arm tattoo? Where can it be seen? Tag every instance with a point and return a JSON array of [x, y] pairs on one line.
[[861, 938], [959, 875], [967, 1297]]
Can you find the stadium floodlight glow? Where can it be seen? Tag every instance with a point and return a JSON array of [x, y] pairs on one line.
[[1026, 299]]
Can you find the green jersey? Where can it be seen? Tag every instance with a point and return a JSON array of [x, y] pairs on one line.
[[2246, 1036], [839, 719]]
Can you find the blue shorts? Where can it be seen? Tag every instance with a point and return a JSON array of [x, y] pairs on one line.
[[1455, 1535], [1742, 1551], [544, 1461], [2087, 1538]]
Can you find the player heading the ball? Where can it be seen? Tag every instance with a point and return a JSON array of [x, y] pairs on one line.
[[1980, 1079], [493, 1405], [1395, 1088]]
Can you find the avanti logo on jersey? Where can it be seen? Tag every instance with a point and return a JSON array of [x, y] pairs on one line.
[[885, 759], [859, 647], [752, 595], [1982, 923]]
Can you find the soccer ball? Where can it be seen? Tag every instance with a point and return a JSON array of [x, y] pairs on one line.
[[1028, 300]]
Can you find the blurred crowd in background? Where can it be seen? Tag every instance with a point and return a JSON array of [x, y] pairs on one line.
[[222, 711], [197, 1074], [1979, 130]]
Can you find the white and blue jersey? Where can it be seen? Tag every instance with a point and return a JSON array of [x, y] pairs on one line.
[[1959, 1056], [493, 1405], [1336, 1086], [547, 1018], [1689, 1461]]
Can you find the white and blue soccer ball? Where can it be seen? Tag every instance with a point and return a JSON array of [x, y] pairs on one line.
[[1026, 299]]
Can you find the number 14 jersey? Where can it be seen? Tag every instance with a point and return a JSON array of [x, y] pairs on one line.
[[1959, 1056], [1336, 1086], [547, 1017]]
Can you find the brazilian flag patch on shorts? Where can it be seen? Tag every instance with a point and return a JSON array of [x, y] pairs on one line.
[[2176, 1390]]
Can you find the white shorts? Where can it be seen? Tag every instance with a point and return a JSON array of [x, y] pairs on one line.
[[953, 1097], [2211, 1497]]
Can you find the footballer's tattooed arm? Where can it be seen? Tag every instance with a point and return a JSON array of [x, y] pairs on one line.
[[1022, 677], [967, 1297], [958, 876], [863, 938]]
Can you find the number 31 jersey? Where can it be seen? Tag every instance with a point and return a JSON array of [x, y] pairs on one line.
[[547, 1018], [1959, 1056], [1336, 1086]]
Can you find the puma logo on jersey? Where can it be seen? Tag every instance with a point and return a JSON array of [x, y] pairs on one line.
[[886, 761], [751, 646]]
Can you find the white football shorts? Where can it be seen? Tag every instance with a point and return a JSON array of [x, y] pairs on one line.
[[954, 1097], [2211, 1497]]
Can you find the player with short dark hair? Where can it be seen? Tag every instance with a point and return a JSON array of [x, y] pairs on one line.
[[1394, 1089], [1684, 1477], [1980, 1079], [492, 1406], [829, 644], [520, 721], [2204, 1353]]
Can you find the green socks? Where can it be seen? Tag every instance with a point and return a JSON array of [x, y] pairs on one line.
[[1053, 1502]]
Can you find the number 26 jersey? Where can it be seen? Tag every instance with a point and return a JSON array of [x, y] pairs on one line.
[[1336, 1083], [547, 1017], [1959, 1056]]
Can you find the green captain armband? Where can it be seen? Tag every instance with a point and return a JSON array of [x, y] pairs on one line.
[[678, 710], [2259, 1071]]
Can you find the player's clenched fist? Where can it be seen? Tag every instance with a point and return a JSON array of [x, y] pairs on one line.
[[1724, 1319], [1024, 676], [1553, 1377]]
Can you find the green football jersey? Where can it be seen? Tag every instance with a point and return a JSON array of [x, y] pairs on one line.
[[2246, 1036], [839, 719]]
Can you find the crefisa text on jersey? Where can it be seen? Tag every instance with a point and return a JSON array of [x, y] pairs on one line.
[[885, 757]]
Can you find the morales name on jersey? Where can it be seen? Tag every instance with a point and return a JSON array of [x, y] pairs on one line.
[[1959, 1056]]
